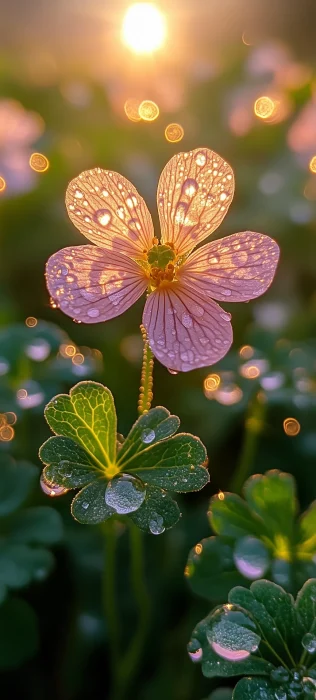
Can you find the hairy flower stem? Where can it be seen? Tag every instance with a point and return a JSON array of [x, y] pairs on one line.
[[253, 428], [146, 382]]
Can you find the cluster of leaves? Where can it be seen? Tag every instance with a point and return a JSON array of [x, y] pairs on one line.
[[264, 635], [258, 536], [25, 534], [33, 358], [118, 476]]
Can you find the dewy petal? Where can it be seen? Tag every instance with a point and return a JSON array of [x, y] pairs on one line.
[[108, 210], [235, 268], [91, 285], [194, 192], [184, 330]]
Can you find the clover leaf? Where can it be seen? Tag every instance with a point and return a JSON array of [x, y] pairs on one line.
[[258, 535], [119, 477], [261, 633]]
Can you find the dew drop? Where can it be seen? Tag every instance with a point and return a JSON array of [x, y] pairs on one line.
[[125, 494], [93, 313], [309, 642], [232, 634], [251, 557], [223, 196], [186, 320], [225, 316], [78, 194], [148, 436], [200, 158], [172, 371], [102, 217], [121, 212], [85, 505], [190, 187], [280, 675], [213, 260], [156, 524], [227, 292], [180, 212], [195, 650], [51, 489]]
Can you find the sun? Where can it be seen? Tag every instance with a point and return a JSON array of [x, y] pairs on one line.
[[144, 28]]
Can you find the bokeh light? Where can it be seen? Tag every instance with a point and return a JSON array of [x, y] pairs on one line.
[[174, 133], [31, 321], [131, 109], [312, 164], [148, 110], [3, 184], [144, 28], [264, 107], [291, 427], [39, 162], [211, 383]]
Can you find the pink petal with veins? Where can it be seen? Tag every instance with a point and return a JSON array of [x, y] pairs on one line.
[[236, 268], [185, 330], [92, 285]]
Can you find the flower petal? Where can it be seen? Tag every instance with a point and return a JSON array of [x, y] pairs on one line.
[[235, 268], [186, 331], [194, 192], [108, 210], [91, 285]]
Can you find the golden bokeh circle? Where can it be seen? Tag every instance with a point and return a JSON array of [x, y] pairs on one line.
[[264, 107], [148, 110], [131, 108], [39, 162], [312, 164], [174, 133], [3, 184], [291, 427]]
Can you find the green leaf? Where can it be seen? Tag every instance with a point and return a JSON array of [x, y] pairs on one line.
[[272, 496], [215, 666], [19, 638], [149, 428], [20, 564], [69, 464], [174, 464], [89, 506], [306, 604], [254, 689], [42, 525], [211, 570], [16, 481], [307, 530], [231, 516], [87, 416], [280, 605], [157, 513]]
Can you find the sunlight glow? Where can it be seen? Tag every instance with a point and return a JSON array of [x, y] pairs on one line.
[[174, 133], [312, 165], [291, 427], [144, 28], [148, 111], [264, 107]]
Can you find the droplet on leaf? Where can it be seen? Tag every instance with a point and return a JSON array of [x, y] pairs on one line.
[[148, 436], [309, 642], [125, 494], [232, 634], [195, 650], [251, 557]]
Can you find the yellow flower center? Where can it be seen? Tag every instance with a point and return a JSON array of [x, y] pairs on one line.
[[162, 264]]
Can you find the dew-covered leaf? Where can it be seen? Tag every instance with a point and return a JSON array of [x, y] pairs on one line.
[[306, 604], [231, 516], [87, 415], [149, 428], [68, 463], [213, 665], [16, 482], [254, 689], [210, 569], [157, 513], [41, 525], [89, 506], [19, 638], [174, 464], [272, 497]]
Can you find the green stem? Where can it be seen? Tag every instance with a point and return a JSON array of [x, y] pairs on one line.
[[131, 659], [146, 382], [109, 596], [253, 428]]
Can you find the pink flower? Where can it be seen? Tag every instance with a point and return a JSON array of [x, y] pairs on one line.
[[186, 328]]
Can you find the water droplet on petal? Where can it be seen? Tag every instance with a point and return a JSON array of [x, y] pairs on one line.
[[156, 524], [125, 494], [180, 212], [78, 194], [251, 557], [148, 436], [186, 320], [190, 187], [200, 158], [225, 316], [93, 313], [232, 634], [102, 217], [172, 371], [195, 650]]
